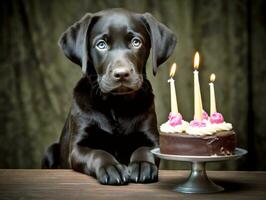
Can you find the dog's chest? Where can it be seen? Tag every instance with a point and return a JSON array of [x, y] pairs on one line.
[[118, 126], [109, 123], [122, 125], [115, 134]]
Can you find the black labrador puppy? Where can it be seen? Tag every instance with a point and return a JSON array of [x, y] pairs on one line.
[[112, 124]]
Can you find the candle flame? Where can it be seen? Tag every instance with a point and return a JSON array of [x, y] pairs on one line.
[[173, 69], [196, 60], [212, 77]]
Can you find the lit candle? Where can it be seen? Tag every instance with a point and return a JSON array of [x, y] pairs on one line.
[[174, 108], [198, 110], [212, 95]]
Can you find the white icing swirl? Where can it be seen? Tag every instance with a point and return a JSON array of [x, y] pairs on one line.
[[210, 129], [167, 128], [222, 126]]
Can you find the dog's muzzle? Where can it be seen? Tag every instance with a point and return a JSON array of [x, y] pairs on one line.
[[120, 80]]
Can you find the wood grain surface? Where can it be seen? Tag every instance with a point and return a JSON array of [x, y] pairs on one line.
[[67, 184]]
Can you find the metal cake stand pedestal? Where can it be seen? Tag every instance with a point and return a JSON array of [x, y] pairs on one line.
[[198, 181]]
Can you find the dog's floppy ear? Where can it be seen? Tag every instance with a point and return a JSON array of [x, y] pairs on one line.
[[163, 40], [73, 42]]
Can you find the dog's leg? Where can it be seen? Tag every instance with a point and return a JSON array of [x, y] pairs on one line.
[[142, 167], [99, 163], [51, 157]]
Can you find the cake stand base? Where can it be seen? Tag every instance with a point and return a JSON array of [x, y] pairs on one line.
[[198, 181]]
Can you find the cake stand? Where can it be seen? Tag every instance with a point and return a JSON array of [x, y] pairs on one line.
[[198, 181]]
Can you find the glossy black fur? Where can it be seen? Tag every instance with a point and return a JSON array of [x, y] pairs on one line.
[[109, 135]]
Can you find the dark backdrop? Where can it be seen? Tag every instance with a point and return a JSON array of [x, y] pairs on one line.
[[36, 80]]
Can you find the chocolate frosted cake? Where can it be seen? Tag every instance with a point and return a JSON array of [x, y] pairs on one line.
[[221, 143], [210, 137]]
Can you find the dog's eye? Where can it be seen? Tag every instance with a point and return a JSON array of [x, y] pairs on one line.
[[136, 42], [101, 45]]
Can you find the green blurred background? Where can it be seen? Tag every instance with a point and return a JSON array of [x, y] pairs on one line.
[[36, 79]]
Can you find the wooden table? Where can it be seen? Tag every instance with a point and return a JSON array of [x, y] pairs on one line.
[[67, 184]]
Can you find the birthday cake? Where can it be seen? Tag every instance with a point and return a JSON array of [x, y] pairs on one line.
[[209, 137], [204, 135]]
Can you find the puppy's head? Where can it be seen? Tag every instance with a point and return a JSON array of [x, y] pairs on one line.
[[114, 45]]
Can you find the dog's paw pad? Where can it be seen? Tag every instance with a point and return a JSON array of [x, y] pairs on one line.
[[143, 172]]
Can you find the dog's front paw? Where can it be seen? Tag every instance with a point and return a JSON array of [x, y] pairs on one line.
[[143, 172], [115, 174]]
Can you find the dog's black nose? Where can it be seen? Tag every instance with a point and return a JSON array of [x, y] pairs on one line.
[[121, 73]]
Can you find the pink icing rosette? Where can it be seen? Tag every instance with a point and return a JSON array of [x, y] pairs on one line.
[[175, 119], [197, 123], [205, 115], [216, 118]]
